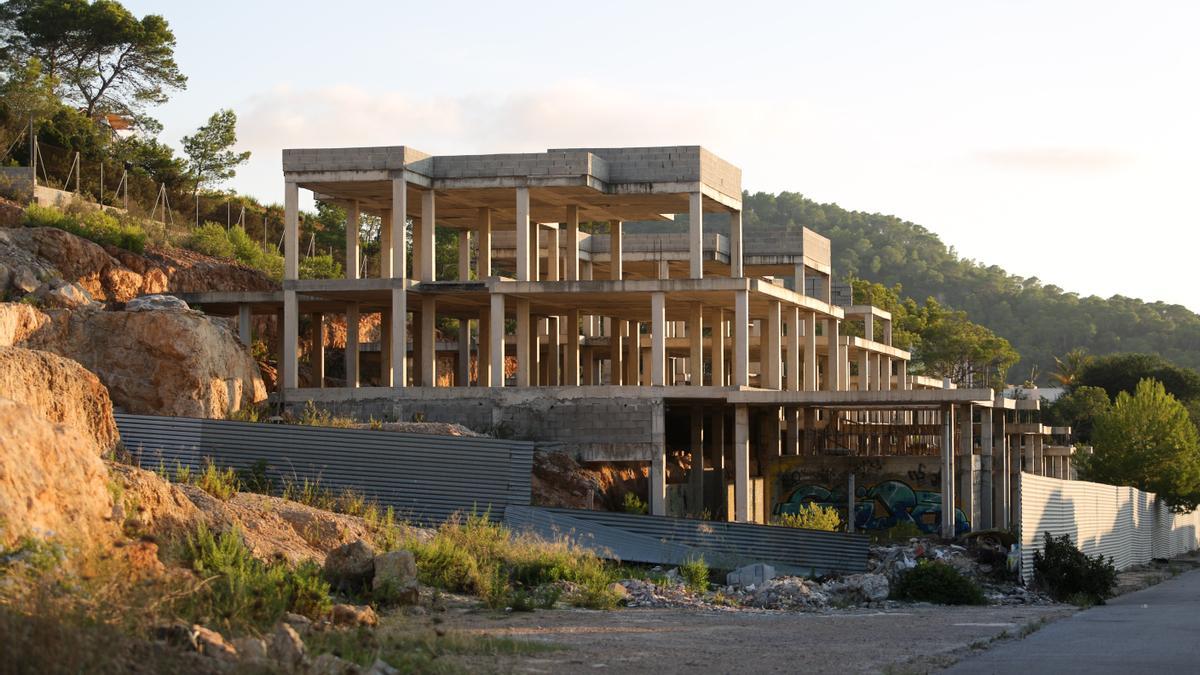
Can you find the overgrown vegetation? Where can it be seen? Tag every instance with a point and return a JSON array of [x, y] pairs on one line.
[[634, 504], [939, 583], [234, 244], [101, 227], [811, 517], [1068, 574], [240, 593], [695, 574], [218, 482], [415, 652]]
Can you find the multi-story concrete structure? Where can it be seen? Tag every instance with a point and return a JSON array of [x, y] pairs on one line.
[[618, 346]]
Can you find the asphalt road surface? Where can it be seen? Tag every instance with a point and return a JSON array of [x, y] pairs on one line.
[[1150, 631]]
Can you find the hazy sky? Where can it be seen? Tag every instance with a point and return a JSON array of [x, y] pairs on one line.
[[1055, 139]]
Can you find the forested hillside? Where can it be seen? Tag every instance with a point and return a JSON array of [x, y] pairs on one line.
[[1040, 320]]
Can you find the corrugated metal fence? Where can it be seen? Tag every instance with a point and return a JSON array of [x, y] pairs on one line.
[[672, 541], [426, 478], [1124, 523]]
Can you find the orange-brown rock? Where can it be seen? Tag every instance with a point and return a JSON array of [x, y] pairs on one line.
[[61, 391]]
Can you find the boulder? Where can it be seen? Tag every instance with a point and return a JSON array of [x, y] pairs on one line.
[[756, 574], [156, 302], [350, 567], [153, 505], [353, 615], [211, 643], [19, 322], [250, 648], [395, 578], [52, 480], [60, 390], [286, 647], [329, 664], [59, 294]]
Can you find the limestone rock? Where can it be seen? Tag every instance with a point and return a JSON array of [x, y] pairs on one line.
[[156, 302], [286, 646], [350, 567], [59, 390], [154, 506], [19, 322], [250, 648], [353, 615], [211, 643], [395, 579], [52, 480], [63, 295]]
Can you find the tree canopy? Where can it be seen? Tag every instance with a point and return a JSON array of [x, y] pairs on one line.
[[211, 159], [1118, 373]]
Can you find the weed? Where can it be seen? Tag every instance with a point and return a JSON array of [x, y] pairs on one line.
[[1066, 573], [33, 555], [310, 493], [312, 416], [423, 652], [811, 517], [1032, 627], [220, 483], [255, 478], [695, 574], [634, 504], [939, 583]]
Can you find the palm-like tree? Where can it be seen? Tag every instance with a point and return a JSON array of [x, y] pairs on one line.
[[1070, 366]]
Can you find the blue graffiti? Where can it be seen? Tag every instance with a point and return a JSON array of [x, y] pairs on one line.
[[879, 507]]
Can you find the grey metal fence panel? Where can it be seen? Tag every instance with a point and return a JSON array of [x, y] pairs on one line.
[[425, 478], [663, 540]]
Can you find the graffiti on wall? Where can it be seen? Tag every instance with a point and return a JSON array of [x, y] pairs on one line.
[[912, 497]]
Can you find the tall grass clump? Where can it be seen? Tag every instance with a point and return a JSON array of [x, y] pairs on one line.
[[811, 517], [695, 574]]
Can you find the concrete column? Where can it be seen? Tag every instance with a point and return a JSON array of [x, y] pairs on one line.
[[397, 253], [887, 332], [864, 370], [735, 244], [525, 372], [353, 245], [571, 254], [810, 351], [496, 341], [399, 227], [1004, 493], [352, 374], [291, 230], [385, 348], [696, 235], [464, 255], [869, 327], [571, 378], [291, 335], [717, 349], [947, 471], [886, 377], [985, 469], [425, 243], [483, 244], [553, 352], [398, 348], [791, 416], [771, 355], [462, 377], [535, 251], [792, 315], [385, 244], [844, 365], [658, 462], [741, 339], [966, 448], [798, 279], [658, 339], [245, 327], [696, 474], [523, 243], [615, 255], [633, 355], [428, 342], [316, 337], [833, 361], [902, 375], [552, 253], [741, 463], [717, 448], [618, 328], [695, 332], [810, 430]]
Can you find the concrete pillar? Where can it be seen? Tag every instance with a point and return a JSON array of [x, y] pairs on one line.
[[353, 244], [810, 430], [616, 350], [947, 471], [833, 361], [741, 339], [717, 447], [798, 279], [696, 473], [523, 242], [869, 327], [426, 245], [633, 355], [428, 341], [717, 349], [696, 235], [483, 245], [791, 416], [966, 447], [614, 246], [352, 374], [316, 357], [664, 269], [658, 339], [385, 244], [385, 348], [886, 377], [658, 462], [552, 252], [462, 376], [553, 352], [695, 332], [399, 230], [1003, 497], [985, 469], [810, 351], [245, 327], [571, 254], [735, 244], [902, 375], [525, 372], [291, 230], [887, 332], [772, 356], [291, 335], [496, 341], [741, 463], [792, 316], [398, 347], [464, 255], [864, 370], [571, 376]]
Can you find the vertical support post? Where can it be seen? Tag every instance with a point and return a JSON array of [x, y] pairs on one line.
[[245, 327], [948, 529], [741, 463], [696, 474], [966, 448], [658, 461], [399, 238], [616, 350], [553, 351], [1004, 519], [571, 378], [771, 357], [850, 509], [696, 235], [464, 255], [398, 318], [810, 351], [352, 376], [291, 335], [385, 245], [353, 246], [658, 339], [571, 254], [615, 255], [496, 340], [833, 364], [462, 377], [552, 254], [428, 340], [695, 331], [316, 357], [741, 339], [793, 350], [633, 355], [483, 245], [291, 230], [864, 370], [798, 279], [985, 469], [735, 244], [524, 338], [398, 253], [522, 236], [426, 244], [717, 349]]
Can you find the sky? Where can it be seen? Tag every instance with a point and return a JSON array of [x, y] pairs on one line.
[[1054, 139]]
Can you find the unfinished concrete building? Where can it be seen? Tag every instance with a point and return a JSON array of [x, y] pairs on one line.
[[738, 354]]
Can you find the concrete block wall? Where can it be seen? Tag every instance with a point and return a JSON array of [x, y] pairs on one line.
[[350, 159]]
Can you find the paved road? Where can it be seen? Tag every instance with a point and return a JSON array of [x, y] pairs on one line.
[[1154, 630]]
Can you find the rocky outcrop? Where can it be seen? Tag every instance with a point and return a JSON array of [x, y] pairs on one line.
[[162, 362], [59, 390], [53, 484]]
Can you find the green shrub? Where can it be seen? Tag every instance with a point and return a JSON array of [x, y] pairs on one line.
[[220, 483], [633, 504], [695, 574], [234, 244], [240, 593], [210, 239], [811, 517], [99, 226], [939, 583], [320, 267], [1068, 574]]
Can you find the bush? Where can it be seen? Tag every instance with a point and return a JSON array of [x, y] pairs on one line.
[[241, 593], [633, 504], [210, 239], [220, 483], [320, 267], [234, 244], [95, 225], [939, 583], [1066, 573], [811, 517], [695, 574]]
